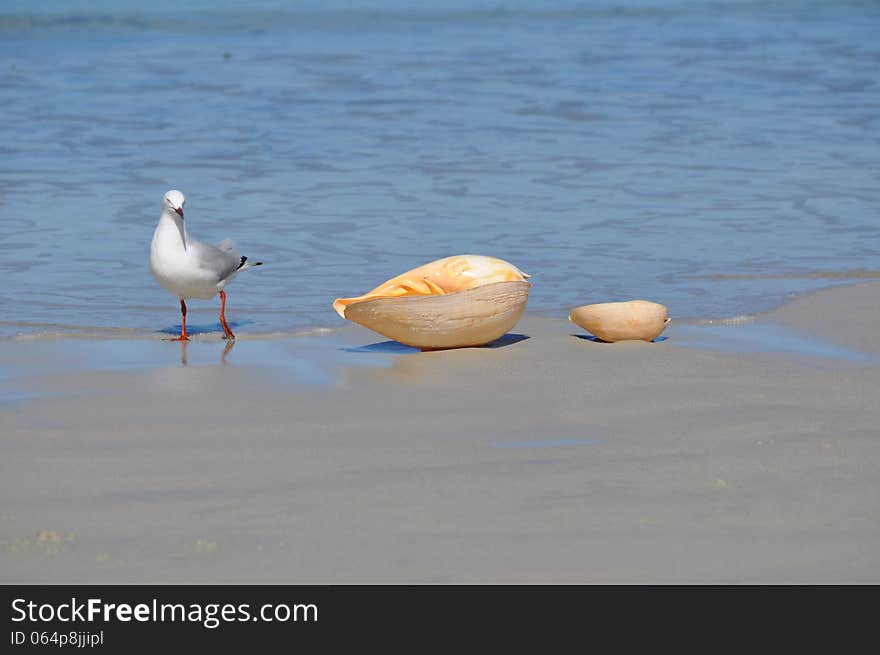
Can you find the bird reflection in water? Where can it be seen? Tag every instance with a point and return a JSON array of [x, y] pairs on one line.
[[229, 345], [184, 359]]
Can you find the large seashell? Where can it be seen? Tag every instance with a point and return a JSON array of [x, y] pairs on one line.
[[466, 300], [455, 320], [622, 321]]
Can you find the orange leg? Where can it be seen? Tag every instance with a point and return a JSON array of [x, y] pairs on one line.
[[183, 336], [226, 331]]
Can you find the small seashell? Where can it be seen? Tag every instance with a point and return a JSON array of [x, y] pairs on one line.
[[466, 300], [622, 321]]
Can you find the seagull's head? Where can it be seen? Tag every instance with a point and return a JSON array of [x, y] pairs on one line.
[[174, 202]]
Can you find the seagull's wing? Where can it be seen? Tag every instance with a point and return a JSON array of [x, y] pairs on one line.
[[220, 261], [227, 245]]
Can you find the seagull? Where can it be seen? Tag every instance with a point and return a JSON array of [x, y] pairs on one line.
[[189, 268]]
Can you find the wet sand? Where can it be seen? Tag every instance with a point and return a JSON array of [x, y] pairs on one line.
[[742, 452]]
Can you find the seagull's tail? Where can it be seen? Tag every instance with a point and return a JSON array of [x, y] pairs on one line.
[[244, 265]]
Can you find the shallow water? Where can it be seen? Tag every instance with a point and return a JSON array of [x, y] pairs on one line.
[[769, 338], [713, 156], [308, 361]]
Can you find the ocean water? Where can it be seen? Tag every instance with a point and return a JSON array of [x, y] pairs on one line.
[[713, 156]]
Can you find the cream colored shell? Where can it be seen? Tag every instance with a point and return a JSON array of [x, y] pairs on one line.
[[455, 320], [622, 321], [464, 300]]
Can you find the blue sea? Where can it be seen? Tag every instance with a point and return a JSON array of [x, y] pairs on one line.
[[713, 156]]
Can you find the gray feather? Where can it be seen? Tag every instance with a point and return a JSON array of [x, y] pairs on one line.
[[220, 261]]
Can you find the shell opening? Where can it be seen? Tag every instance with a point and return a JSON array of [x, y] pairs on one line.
[[440, 277]]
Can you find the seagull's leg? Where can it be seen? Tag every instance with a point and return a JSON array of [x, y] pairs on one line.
[[226, 331], [183, 336]]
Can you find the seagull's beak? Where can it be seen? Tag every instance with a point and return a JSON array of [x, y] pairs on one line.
[[179, 211]]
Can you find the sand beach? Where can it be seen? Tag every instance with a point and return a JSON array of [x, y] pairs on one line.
[[733, 452]]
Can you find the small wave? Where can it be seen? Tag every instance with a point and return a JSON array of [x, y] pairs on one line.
[[861, 274], [733, 320], [52, 331]]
